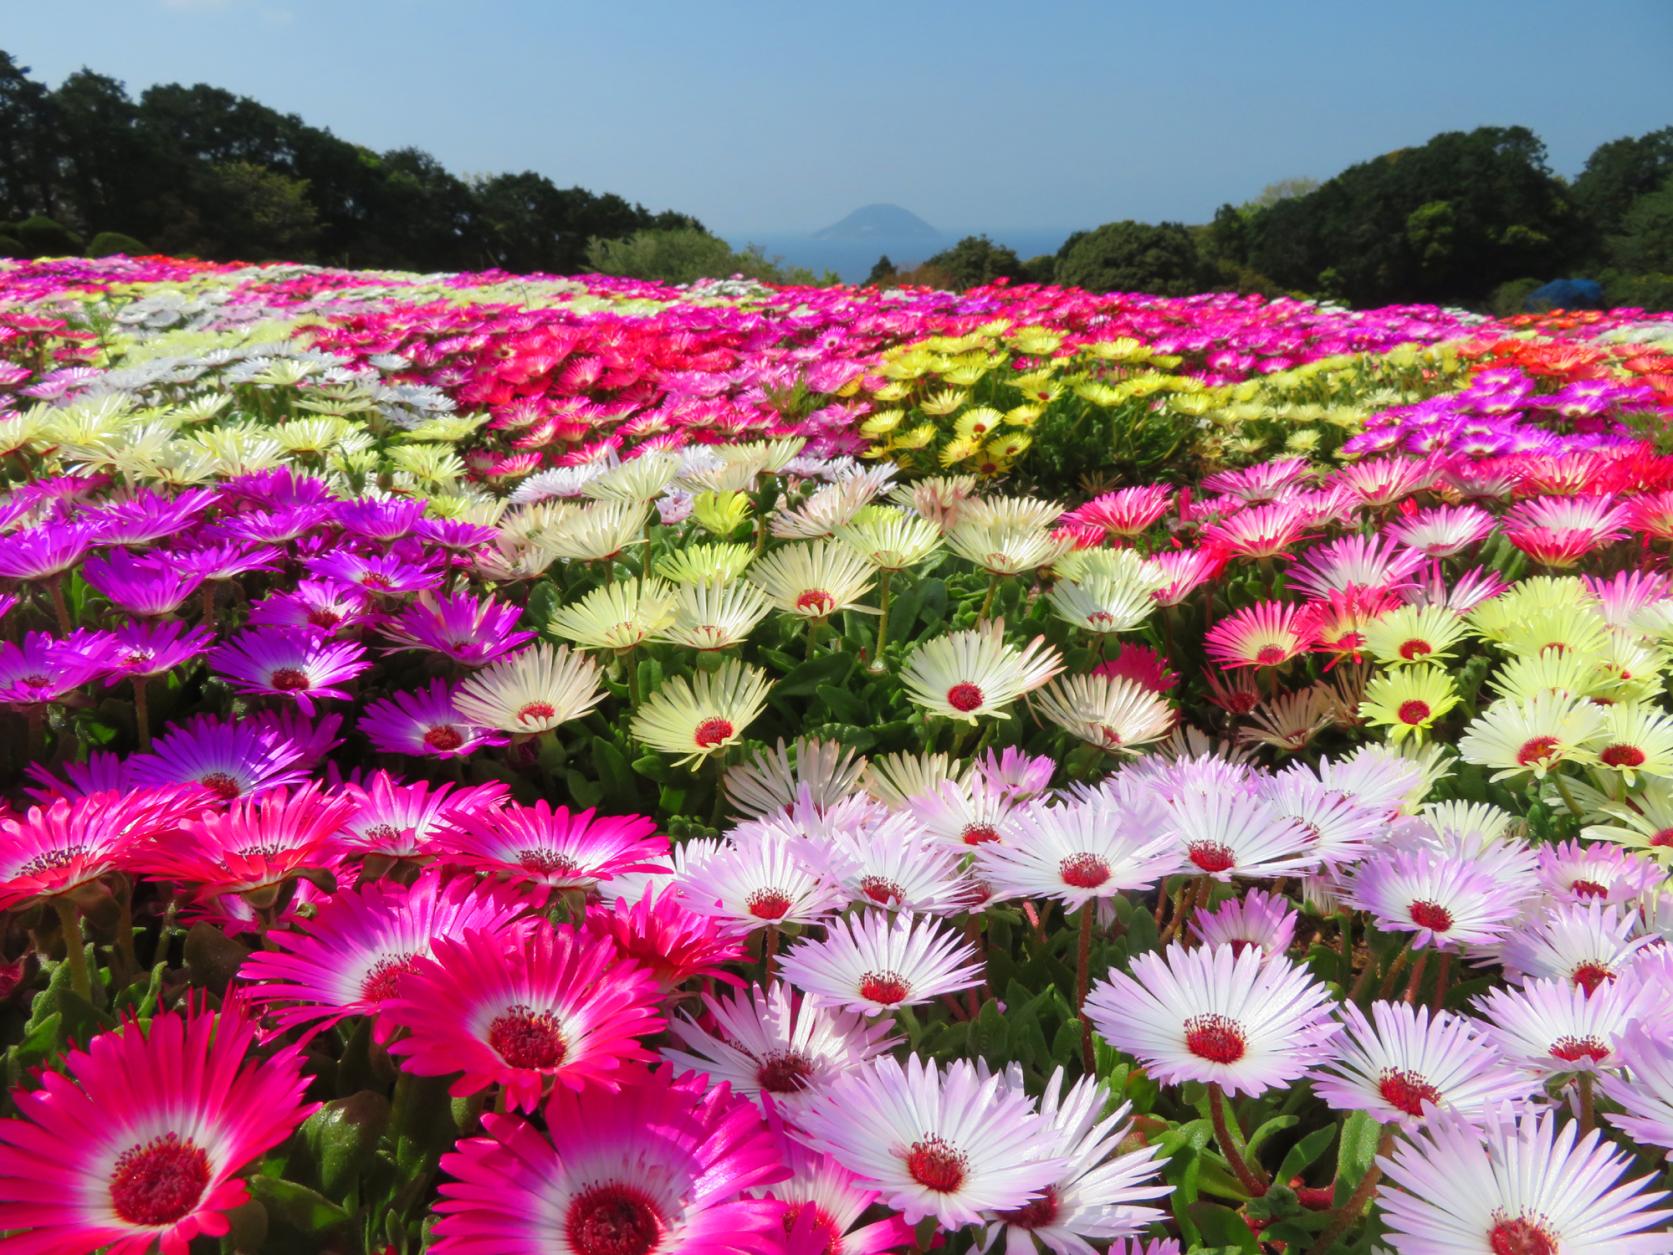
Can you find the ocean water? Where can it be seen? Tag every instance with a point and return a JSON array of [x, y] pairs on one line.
[[852, 260]]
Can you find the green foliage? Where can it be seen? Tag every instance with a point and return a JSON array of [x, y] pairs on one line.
[[1510, 298], [1132, 257], [42, 237], [1618, 173], [1645, 242], [1652, 292], [683, 255], [881, 272], [105, 243], [265, 215], [11, 246], [976, 260]]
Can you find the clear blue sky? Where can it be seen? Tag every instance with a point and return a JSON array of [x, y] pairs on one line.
[[779, 117]]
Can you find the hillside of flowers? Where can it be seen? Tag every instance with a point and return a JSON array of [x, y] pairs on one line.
[[523, 765]]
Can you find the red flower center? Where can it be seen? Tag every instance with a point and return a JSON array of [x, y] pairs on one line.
[[1589, 889], [1083, 871], [784, 1073], [936, 1165], [221, 783], [288, 680], [712, 732], [612, 1220], [965, 697], [1590, 975], [1407, 1091], [443, 737], [1270, 656], [1621, 756], [525, 1039], [768, 904], [158, 1182], [817, 602], [324, 618], [979, 834], [1431, 915], [1211, 856], [885, 987], [1520, 1237], [1662, 839], [51, 860], [1215, 1038], [536, 712], [1535, 749], [547, 862], [1574, 1049], [1414, 712], [823, 1224], [1034, 1215], [380, 982], [880, 890], [1415, 649]]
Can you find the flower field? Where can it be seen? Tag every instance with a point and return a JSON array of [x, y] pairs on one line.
[[515, 765]]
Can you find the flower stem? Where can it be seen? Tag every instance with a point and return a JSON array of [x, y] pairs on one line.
[[1443, 969], [876, 666], [1386, 989], [60, 607], [1252, 1180], [1348, 1212], [1416, 982], [1083, 980], [1568, 798], [987, 602], [69, 921], [142, 711], [1588, 1107], [769, 952]]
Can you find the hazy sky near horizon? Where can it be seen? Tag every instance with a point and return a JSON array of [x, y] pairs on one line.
[[780, 118]]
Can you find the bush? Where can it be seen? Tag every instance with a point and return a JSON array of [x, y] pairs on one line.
[[42, 237], [1653, 292], [1511, 298], [1132, 257], [11, 246], [976, 260], [106, 243], [686, 254]]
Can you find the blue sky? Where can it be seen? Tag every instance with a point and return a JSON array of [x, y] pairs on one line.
[[778, 117]]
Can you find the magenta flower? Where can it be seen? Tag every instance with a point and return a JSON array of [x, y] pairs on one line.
[[230, 757], [426, 724], [548, 845], [145, 517], [39, 552], [145, 586], [45, 668], [667, 939], [151, 648], [458, 626], [70, 842], [398, 820], [319, 605], [376, 573], [288, 663]]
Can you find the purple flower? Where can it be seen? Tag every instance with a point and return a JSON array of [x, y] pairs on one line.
[[141, 586], [230, 757], [424, 723], [318, 605], [141, 649], [50, 549], [378, 573], [284, 662], [375, 520], [459, 627], [148, 516], [44, 668]]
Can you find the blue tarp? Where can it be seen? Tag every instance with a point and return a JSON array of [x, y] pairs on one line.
[[1565, 294]]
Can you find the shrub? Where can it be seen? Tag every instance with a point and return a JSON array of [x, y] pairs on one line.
[[1131, 257], [976, 260], [42, 237], [1511, 298], [105, 243]]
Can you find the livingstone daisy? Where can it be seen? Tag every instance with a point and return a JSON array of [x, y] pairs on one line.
[[549, 846], [1113, 712], [1525, 1185], [812, 580], [669, 940], [951, 1144], [294, 664], [1261, 921], [897, 867], [823, 1203], [764, 879], [617, 616], [551, 1007], [776, 1043], [457, 626], [965, 675], [877, 961], [1080, 852], [57, 848], [531, 691], [694, 718], [1645, 1093], [713, 615], [1243, 1021], [1227, 835], [425, 724], [1556, 1027], [1403, 1066], [1534, 735], [1408, 701], [1442, 900], [1414, 634], [1634, 740], [773, 782], [1587, 945], [657, 1167], [1266, 634], [136, 1143]]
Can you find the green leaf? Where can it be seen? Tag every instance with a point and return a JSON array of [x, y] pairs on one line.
[[1305, 1153], [1360, 1135], [613, 769], [653, 767], [1267, 1128], [297, 1205], [806, 677], [988, 1035], [1222, 1227]]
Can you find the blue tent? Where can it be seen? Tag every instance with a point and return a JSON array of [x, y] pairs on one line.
[[1565, 294]]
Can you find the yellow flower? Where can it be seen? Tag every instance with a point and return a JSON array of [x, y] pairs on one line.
[[721, 513], [943, 403], [1123, 349], [917, 438], [977, 422], [1036, 341], [881, 422]]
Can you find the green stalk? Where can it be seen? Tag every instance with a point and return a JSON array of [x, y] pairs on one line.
[[69, 921], [876, 666]]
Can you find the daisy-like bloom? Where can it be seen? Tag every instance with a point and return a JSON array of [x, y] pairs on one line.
[[599, 533], [1100, 1193], [1406, 1066], [1126, 512], [950, 1144], [1337, 624], [135, 1143], [426, 724], [812, 580], [1408, 701], [1080, 853], [45, 668], [1559, 531], [230, 758], [694, 564], [1343, 829], [1261, 921], [38, 553], [549, 845], [694, 718], [532, 691], [878, 961], [1636, 739], [522, 1012], [1004, 547], [895, 779], [1264, 531], [967, 811], [891, 541], [298, 665], [1103, 604], [763, 881], [1142, 665], [965, 675], [386, 574], [1645, 1094], [1185, 571], [666, 938], [1555, 1027], [1537, 734], [617, 616], [1442, 899], [1586, 945], [1353, 562], [57, 848], [320, 605], [1383, 481], [1441, 531], [140, 586], [352, 955], [1414, 634], [1023, 776], [1242, 1021], [1228, 834], [255, 847], [1644, 822], [1520, 1186], [823, 1202], [1266, 634], [395, 820], [1264, 481], [773, 1042], [457, 626], [1588, 873], [656, 1167], [146, 648], [897, 866], [713, 615], [770, 783], [1114, 713]]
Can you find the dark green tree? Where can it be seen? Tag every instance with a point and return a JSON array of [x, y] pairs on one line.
[[1618, 173], [26, 142], [882, 271], [1645, 242], [1132, 257], [976, 260]]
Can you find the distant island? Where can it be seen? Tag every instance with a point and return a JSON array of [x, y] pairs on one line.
[[880, 222]]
